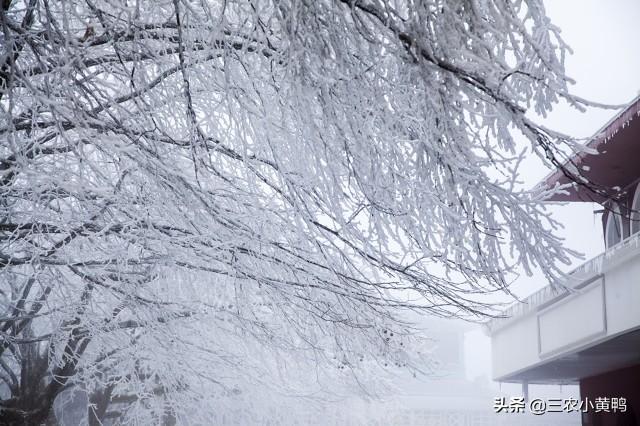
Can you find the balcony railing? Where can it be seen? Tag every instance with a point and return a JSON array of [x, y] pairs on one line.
[[620, 252]]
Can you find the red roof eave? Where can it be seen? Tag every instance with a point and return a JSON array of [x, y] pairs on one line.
[[605, 134]]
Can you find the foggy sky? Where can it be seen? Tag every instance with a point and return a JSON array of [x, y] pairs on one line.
[[606, 67]]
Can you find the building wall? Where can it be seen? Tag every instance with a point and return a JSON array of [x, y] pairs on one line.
[[623, 383]]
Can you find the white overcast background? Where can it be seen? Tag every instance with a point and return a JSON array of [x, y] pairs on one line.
[[605, 64]]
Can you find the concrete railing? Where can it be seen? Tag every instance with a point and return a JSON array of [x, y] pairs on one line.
[[622, 251]]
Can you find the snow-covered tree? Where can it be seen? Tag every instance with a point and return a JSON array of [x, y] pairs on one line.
[[194, 192]]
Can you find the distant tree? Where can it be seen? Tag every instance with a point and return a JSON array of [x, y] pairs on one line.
[[192, 191]]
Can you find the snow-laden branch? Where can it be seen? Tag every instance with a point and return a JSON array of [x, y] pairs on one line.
[[193, 193]]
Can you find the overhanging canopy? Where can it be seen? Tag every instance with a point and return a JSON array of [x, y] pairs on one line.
[[616, 165]]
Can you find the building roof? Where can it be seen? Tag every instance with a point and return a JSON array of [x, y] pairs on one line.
[[615, 167]]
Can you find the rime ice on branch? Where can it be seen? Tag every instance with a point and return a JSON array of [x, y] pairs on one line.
[[186, 184]]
